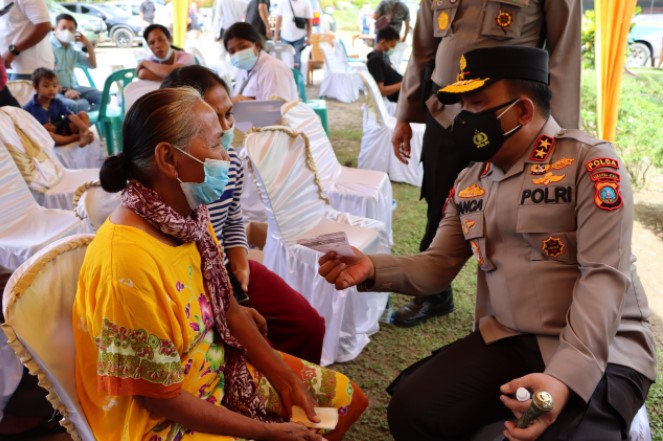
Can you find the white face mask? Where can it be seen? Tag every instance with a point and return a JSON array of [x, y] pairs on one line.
[[65, 36]]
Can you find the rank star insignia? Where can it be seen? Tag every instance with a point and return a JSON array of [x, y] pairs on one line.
[[539, 169], [552, 246], [562, 163], [544, 146], [504, 19], [548, 178], [607, 196], [472, 191], [467, 226]]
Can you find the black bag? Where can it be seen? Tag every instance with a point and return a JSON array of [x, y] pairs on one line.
[[300, 22]]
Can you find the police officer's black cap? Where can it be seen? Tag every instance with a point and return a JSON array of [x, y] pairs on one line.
[[482, 67]]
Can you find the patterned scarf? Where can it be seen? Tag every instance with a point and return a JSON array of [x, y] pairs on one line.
[[240, 393]]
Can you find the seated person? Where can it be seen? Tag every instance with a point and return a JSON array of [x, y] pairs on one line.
[[294, 326], [67, 57], [260, 76], [164, 57], [163, 350], [379, 65], [62, 124]]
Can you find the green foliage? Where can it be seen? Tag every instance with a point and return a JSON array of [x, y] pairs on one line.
[[587, 38], [639, 128]]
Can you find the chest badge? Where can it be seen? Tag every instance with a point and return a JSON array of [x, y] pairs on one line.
[[472, 191], [607, 196], [467, 226], [548, 178], [539, 169], [504, 19], [552, 246], [443, 21], [544, 146], [562, 163]]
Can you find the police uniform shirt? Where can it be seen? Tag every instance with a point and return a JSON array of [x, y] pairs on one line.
[[446, 29], [552, 241]]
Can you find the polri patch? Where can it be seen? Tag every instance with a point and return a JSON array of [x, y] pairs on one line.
[[593, 164], [552, 246], [544, 146], [607, 196], [472, 191]]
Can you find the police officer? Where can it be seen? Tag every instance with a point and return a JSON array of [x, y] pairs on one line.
[[547, 213], [445, 29]]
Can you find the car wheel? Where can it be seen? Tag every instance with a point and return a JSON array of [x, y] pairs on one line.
[[639, 55], [122, 37]]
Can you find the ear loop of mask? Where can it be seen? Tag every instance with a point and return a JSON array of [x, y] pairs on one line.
[[515, 129]]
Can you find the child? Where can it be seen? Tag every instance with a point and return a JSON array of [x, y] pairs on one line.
[[64, 126]]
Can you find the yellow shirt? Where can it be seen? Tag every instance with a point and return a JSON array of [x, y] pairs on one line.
[[143, 325]]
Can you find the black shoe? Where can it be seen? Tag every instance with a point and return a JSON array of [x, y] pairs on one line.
[[421, 309]]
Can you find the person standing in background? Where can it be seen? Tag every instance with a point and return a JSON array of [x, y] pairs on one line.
[[147, 11], [445, 30], [292, 32], [397, 13], [226, 14], [24, 24], [257, 15]]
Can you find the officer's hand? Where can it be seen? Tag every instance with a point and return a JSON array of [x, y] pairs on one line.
[[401, 141], [346, 271], [559, 391]]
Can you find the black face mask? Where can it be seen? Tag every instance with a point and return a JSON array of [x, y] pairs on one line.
[[479, 135]]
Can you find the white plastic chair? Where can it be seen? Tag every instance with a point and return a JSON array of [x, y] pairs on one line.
[[283, 167], [42, 291], [283, 52], [23, 90], [376, 150], [52, 184], [361, 192], [396, 57], [136, 89], [25, 226], [93, 204], [339, 80]]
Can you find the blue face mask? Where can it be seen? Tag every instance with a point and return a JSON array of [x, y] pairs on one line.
[[166, 58], [245, 59], [211, 189], [228, 137]]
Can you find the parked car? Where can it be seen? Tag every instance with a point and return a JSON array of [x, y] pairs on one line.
[[162, 14], [645, 40], [92, 27], [123, 29]]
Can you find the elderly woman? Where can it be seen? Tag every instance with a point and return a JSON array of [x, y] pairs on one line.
[[163, 351], [294, 326], [164, 57], [260, 76]]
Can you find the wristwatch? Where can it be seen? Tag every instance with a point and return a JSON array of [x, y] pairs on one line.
[[13, 50]]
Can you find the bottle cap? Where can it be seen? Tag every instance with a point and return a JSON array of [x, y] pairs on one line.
[[522, 394]]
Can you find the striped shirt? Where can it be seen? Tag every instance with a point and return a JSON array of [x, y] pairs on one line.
[[226, 213]]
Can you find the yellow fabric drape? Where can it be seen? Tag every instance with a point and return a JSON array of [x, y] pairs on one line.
[[613, 20], [180, 15]]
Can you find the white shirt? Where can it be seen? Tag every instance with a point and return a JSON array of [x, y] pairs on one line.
[[302, 8], [227, 13], [269, 77], [16, 25]]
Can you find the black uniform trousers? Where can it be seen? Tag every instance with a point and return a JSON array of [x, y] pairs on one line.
[[456, 391]]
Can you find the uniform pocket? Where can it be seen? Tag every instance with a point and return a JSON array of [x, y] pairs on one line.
[[549, 231], [502, 20], [444, 13]]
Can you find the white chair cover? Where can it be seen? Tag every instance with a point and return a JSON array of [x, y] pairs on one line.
[[72, 156], [52, 184], [396, 57], [283, 52], [376, 150], [364, 193], [11, 371], [42, 291], [136, 89], [22, 90], [283, 167], [93, 205], [26, 227], [339, 80]]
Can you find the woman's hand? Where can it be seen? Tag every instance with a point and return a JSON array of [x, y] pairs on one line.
[[242, 276], [294, 432], [257, 319], [559, 391], [293, 391], [346, 271]]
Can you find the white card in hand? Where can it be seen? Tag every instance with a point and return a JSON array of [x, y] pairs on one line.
[[328, 417], [337, 242]]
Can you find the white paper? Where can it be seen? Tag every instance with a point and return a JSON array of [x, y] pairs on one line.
[[337, 242], [248, 114], [328, 417]]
